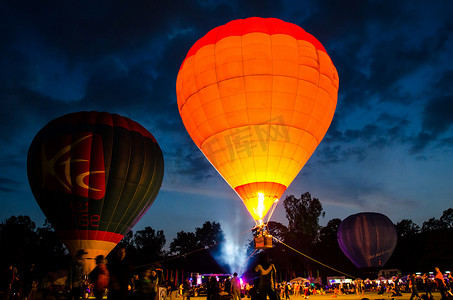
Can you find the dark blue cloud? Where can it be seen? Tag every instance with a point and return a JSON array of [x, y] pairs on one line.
[[437, 118], [8, 185]]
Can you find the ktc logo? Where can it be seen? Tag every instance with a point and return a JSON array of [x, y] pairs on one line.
[[74, 164]]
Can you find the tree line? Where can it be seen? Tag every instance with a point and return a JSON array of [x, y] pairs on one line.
[[418, 248], [23, 243]]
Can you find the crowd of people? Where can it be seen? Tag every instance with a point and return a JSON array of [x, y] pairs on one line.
[[26, 283], [418, 285], [117, 280]]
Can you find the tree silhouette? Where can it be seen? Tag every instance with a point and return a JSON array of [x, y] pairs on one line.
[[184, 242], [433, 224], [277, 230], [406, 227], [447, 218], [18, 233], [418, 249], [24, 245], [150, 244], [328, 234], [303, 216], [209, 234]]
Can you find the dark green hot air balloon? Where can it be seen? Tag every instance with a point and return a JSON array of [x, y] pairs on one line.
[[94, 175]]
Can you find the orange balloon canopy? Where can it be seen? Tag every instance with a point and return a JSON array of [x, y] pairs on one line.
[[257, 96]]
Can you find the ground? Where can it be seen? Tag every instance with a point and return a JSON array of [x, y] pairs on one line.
[[368, 295]]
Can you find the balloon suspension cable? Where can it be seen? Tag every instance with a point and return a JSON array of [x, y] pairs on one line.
[[258, 223], [250, 256], [316, 261], [260, 228], [269, 215]]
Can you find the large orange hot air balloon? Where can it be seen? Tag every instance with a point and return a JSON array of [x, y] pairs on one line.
[[94, 175], [257, 96]]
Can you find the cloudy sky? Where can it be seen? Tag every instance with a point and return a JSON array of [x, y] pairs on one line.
[[388, 150]]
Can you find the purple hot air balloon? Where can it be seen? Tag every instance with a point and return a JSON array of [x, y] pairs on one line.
[[367, 239]]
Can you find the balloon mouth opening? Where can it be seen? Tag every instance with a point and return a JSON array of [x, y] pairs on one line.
[[260, 198]]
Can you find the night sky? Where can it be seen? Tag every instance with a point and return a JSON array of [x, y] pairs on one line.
[[389, 148]]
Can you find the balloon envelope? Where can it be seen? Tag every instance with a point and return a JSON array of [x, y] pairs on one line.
[[94, 175], [367, 239], [257, 96]]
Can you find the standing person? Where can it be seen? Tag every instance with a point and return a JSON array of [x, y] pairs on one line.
[[75, 274], [287, 291], [439, 278], [213, 288], [340, 288], [100, 277], [413, 287], [450, 285], [254, 292], [143, 286], [267, 272], [358, 287], [306, 291], [362, 286], [173, 289], [427, 286], [227, 285], [396, 287], [186, 290], [30, 283], [236, 287], [120, 275], [11, 278], [208, 289], [154, 284]]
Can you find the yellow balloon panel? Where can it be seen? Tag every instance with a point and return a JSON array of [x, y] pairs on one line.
[[259, 153]]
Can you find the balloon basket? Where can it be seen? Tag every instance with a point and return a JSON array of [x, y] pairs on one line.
[[263, 242]]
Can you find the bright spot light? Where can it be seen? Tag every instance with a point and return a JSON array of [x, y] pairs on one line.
[[233, 252]]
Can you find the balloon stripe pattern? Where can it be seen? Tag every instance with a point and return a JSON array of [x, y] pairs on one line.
[[257, 96], [94, 175]]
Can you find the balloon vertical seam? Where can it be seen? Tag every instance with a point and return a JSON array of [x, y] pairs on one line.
[[132, 219], [126, 181]]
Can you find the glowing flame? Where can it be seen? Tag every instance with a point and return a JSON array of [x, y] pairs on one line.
[[260, 207]]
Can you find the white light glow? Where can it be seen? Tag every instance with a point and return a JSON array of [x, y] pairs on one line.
[[233, 251]]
